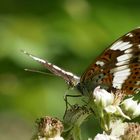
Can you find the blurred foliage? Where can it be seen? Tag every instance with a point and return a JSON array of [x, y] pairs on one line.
[[69, 33]]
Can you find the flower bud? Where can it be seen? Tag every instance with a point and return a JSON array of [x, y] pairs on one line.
[[102, 97], [131, 107], [105, 137], [49, 128]]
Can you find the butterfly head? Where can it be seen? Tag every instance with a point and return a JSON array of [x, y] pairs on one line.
[[71, 80]]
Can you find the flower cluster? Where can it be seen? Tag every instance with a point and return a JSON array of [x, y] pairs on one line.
[[106, 101], [112, 111]]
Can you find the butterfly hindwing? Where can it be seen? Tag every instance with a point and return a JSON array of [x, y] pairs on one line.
[[118, 67]]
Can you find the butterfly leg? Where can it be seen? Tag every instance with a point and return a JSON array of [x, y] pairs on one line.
[[67, 103]]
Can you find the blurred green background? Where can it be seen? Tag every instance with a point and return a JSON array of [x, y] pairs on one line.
[[68, 33]]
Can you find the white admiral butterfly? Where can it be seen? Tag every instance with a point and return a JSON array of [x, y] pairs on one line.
[[117, 68]]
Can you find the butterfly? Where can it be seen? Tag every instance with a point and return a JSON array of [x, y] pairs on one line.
[[117, 68]]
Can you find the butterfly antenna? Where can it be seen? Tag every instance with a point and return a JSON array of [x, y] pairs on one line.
[[37, 71], [71, 79]]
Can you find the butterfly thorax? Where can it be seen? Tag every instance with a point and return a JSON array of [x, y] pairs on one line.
[[87, 87]]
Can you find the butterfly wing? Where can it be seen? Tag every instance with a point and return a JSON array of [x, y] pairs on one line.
[[118, 67]]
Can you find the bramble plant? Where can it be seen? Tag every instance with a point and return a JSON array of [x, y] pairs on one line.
[[112, 110]]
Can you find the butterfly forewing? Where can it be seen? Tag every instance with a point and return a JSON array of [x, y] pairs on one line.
[[118, 67]]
